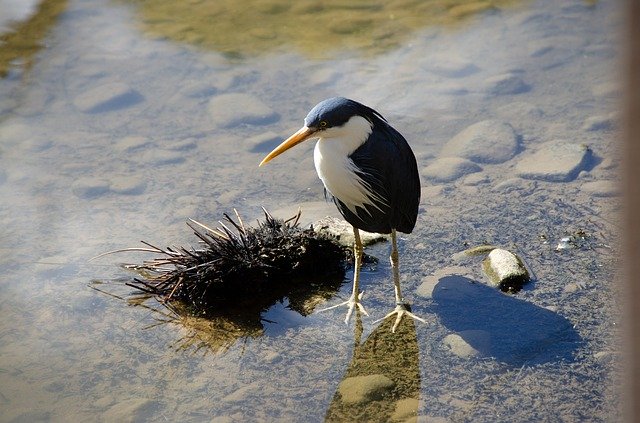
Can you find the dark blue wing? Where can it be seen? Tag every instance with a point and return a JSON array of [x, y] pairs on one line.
[[386, 162]]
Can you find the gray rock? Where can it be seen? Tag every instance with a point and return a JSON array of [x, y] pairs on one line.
[[506, 84], [107, 97], [362, 389], [448, 169], [505, 270], [488, 141], [229, 110], [555, 161], [344, 231]]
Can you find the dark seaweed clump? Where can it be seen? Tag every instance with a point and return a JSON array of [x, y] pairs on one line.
[[245, 270]]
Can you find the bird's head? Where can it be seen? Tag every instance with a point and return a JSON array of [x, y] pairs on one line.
[[331, 118]]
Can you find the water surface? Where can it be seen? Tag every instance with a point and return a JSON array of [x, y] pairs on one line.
[[117, 124]]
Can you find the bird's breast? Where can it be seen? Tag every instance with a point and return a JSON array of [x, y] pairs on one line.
[[339, 174]]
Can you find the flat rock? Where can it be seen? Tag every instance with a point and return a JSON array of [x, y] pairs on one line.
[[488, 141], [107, 97], [343, 230], [555, 161], [506, 84], [448, 169], [229, 110], [362, 389]]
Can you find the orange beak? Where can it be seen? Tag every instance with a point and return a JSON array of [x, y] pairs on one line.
[[302, 134]]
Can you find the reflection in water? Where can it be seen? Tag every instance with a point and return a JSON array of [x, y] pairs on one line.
[[234, 320], [382, 382], [315, 28], [24, 40]]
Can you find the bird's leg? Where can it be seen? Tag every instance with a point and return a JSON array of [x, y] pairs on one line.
[[356, 295], [401, 307]]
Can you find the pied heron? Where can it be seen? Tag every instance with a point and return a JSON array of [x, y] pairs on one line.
[[370, 171]]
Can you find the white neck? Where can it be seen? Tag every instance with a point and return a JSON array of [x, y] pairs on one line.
[[336, 169]]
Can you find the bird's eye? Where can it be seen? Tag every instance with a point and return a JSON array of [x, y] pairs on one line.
[[323, 124]]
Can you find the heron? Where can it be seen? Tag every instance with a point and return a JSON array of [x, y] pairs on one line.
[[369, 170]]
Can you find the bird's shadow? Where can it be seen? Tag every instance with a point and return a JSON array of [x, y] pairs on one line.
[[502, 326]]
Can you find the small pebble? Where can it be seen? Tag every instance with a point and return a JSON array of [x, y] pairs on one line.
[[107, 97], [489, 141], [448, 169], [505, 270], [229, 110], [555, 161], [362, 389]]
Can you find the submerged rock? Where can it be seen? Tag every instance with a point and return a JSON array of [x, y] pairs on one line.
[[229, 110], [506, 84], [488, 141], [555, 161], [361, 389], [448, 169], [468, 343], [107, 97]]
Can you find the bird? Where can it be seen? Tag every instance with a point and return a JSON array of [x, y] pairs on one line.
[[370, 172]]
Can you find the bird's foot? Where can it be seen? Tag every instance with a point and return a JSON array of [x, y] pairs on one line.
[[400, 310], [351, 303]]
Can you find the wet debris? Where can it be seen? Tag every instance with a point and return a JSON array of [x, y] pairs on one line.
[[240, 271], [503, 268]]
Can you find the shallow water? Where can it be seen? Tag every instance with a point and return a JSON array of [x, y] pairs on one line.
[[117, 126]]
